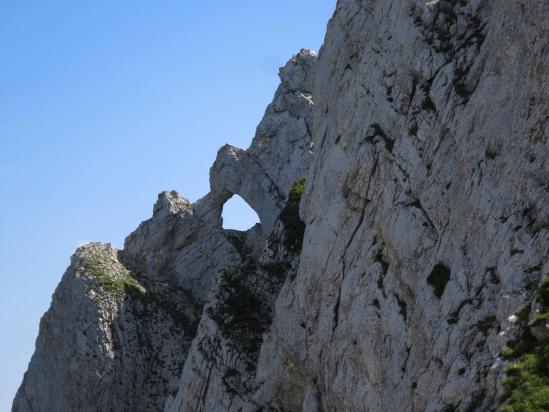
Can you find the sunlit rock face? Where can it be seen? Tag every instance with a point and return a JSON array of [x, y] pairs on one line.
[[112, 339], [121, 323], [400, 178], [426, 209]]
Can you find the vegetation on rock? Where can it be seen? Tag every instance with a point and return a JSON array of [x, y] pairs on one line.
[[439, 277], [542, 297], [294, 228], [240, 314], [527, 381], [109, 272]]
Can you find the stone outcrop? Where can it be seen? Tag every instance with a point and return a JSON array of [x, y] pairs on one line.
[[109, 341], [105, 339], [426, 208], [407, 272]]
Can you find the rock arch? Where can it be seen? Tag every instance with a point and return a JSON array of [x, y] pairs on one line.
[[236, 172]]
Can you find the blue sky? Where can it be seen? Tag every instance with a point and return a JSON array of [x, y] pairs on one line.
[[104, 104]]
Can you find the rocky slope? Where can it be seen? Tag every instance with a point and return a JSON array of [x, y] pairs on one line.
[[407, 272], [121, 323]]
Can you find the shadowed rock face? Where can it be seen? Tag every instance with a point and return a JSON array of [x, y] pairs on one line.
[[420, 277]]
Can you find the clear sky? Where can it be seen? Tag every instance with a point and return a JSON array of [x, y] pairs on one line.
[[103, 104]]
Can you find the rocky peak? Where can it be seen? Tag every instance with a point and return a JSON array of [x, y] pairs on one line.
[[400, 178], [298, 74], [171, 203]]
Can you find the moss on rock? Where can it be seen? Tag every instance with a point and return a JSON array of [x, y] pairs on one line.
[[109, 272], [240, 314]]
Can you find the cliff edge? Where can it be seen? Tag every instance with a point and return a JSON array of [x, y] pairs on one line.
[[401, 260]]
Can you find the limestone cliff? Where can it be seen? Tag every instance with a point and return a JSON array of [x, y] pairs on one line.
[[401, 262], [121, 323]]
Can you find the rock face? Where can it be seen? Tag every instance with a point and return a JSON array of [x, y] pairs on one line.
[[121, 324], [426, 208], [406, 274], [109, 341]]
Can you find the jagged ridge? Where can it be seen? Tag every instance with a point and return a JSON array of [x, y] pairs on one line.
[[423, 225]]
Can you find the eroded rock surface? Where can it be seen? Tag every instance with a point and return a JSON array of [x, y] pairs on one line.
[[426, 209], [407, 272], [124, 330], [112, 340]]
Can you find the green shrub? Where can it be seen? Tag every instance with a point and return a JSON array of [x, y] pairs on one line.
[[527, 382], [439, 278], [542, 295], [241, 316], [428, 104], [294, 228]]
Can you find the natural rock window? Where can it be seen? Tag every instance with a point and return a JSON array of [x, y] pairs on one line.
[[238, 215]]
